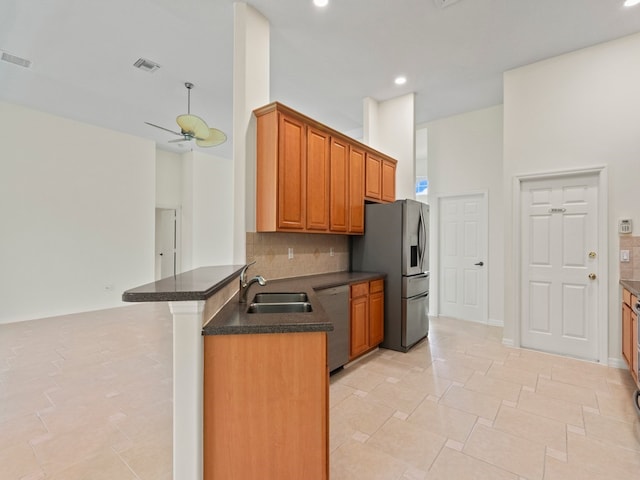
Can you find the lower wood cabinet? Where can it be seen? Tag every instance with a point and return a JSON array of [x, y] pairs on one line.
[[630, 333], [367, 316], [266, 406]]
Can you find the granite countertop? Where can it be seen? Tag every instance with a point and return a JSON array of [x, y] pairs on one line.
[[632, 285], [198, 284], [233, 318]]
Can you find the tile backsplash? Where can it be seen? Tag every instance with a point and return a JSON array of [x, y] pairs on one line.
[[630, 270], [312, 254]]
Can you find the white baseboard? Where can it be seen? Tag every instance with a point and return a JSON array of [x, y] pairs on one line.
[[508, 342], [617, 363], [495, 323]]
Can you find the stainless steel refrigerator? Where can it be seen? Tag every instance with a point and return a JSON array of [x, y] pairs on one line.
[[396, 242]]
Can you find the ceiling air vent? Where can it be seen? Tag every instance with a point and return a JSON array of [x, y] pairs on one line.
[[146, 65], [444, 3], [23, 62]]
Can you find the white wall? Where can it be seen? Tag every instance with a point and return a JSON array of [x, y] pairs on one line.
[[77, 207], [465, 156], [207, 210], [389, 127], [168, 179], [575, 111]]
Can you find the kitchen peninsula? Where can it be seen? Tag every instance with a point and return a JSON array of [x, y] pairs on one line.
[[250, 389]]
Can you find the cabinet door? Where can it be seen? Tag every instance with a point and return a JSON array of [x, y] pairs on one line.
[[634, 346], [359, 326], [388, 181], [376, 318], [356, 190], [373, 177], [317, 201], [339, 189], [627, 341], [291, 173]]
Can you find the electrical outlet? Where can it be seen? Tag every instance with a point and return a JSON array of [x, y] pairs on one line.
[[290, 253], [624, 256]]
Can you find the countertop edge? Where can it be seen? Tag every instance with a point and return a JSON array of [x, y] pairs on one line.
[[632, 285], [144, 293]]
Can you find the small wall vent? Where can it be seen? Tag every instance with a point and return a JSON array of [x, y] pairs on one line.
[[146, 65], [444, 3], [23, 62]]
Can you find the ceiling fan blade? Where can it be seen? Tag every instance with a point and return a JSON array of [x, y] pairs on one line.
[[178, 140], [162, 128], [216, 137], [193, 125]]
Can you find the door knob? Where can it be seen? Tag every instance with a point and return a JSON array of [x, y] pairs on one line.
[[592, 276], [479, 264]]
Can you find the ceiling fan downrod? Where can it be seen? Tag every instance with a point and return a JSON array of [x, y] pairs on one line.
[[189, 86]]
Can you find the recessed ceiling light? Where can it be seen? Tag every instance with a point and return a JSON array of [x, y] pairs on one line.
[[321, 3], [631, 3], [401, 80]]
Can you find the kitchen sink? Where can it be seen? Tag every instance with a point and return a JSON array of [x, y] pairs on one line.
[[283, 307], [277, 297]]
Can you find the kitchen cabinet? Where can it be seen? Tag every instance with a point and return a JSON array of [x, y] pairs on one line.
[[367, 316], [310, 178], [356, 190], [339, 187], [266, 406], [359, 319], [380, 178], [317, 178], [630, 332]]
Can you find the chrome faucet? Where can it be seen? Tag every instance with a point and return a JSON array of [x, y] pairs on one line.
[[244, 285]]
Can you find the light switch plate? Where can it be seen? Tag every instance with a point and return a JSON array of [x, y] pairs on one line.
[[624, 255]]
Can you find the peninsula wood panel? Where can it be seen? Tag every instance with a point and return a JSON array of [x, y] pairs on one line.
[[376, 312], [266, 406]]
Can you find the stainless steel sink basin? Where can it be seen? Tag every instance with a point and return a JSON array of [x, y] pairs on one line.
[[277, 297], [289, 307]]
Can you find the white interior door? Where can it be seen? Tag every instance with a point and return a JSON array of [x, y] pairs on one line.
[[166, 242], [463, 257], [559, 284]]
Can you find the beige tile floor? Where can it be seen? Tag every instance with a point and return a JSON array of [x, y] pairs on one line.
[[88, 396]]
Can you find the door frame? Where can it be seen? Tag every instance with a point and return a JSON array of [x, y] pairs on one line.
[[178, 234], [434, 297], [603, 245]]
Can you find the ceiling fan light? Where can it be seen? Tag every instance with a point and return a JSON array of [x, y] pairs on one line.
[[216, 137], [193, 125]]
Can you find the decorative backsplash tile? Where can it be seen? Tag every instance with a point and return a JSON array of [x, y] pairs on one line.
[[312, 254], [630, 270]]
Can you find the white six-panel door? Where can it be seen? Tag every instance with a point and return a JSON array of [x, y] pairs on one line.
[[559, 290], [463, 233]]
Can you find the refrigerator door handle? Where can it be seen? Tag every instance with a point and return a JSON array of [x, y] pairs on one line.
[[422, 240]]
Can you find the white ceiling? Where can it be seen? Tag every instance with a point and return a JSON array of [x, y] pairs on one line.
[[323, 61]]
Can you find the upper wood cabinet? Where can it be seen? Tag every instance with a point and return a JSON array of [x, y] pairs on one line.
[[317, 178], [380, 178], [310, 178]]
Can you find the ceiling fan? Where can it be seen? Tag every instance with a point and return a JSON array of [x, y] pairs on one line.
[[193, 127]]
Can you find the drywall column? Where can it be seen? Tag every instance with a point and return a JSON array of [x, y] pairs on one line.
[[389, 126], [250, 91], [188, 388]]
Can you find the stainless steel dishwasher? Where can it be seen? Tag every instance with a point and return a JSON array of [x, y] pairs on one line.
[[335, 302]]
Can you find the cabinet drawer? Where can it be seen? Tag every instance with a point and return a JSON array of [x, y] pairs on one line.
[[626, 296], [360, 290], [376, 285]]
